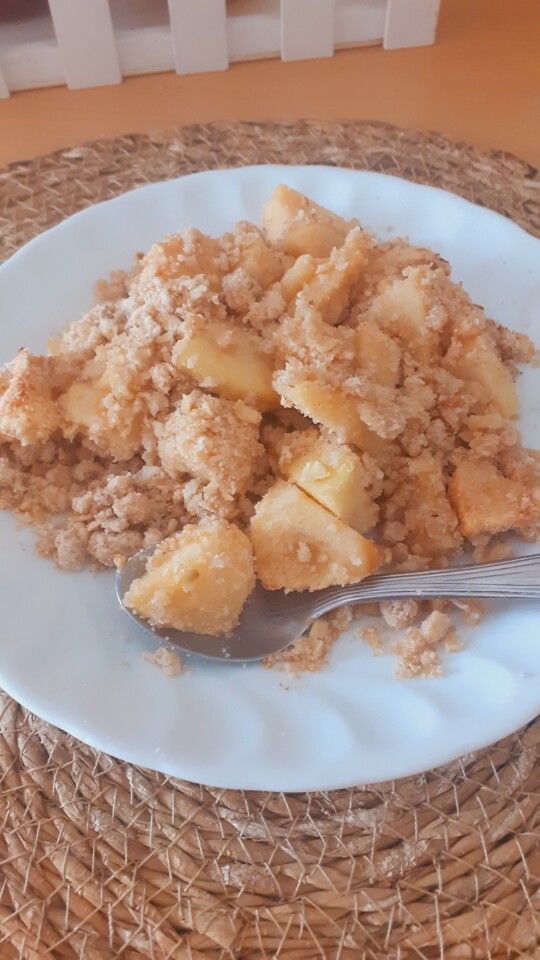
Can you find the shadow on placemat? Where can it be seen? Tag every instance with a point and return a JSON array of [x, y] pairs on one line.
[[102, 860]]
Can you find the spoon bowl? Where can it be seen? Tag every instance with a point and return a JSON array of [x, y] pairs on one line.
[[273, 619], [270, 621]]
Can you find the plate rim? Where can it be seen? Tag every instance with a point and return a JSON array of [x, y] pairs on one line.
[[487, 211], [75, 729]]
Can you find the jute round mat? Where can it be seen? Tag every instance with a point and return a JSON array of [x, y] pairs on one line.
[[101, 860]]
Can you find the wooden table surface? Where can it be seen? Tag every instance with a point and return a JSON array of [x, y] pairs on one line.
[[480, 82]]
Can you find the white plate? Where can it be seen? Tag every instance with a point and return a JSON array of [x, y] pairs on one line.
[[68, 653]]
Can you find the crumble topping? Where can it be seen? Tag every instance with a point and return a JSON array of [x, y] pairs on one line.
[[338, 402], [165, 660]]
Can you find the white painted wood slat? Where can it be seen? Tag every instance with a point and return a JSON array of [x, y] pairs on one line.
[[29, 52], [199, 35], [85, 37], [359, 22], [4, 90], [307, 29], [142, 31], [91, 50], [253, 29], [410, 23]]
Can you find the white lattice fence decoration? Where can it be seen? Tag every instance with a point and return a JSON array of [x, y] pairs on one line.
[[85, 43], [4, 92]]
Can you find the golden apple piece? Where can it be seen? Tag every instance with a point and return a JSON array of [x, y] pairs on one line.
[[332, 475], [297, 276], [377, 355], [81, 404], [476, 359], [213, 439], [429, 515], [28, 412], [301, 226], [485, 501], [114, 429], [329, 290], [402, 309], [183, 254], [197, 580], [256, 256], [230, 366], [333, 409], [298, 545]]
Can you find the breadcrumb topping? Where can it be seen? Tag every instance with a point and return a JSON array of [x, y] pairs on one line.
[[165, 660], [305, 357]]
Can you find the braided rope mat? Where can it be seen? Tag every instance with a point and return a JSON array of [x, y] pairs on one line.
[[100, 859]]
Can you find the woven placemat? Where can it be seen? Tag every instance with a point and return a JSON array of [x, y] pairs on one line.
[[100, 859]]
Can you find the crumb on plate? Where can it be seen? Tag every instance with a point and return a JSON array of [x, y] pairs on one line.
[[165, 660]]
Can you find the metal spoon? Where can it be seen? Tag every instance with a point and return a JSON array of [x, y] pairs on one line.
[[272, 619]]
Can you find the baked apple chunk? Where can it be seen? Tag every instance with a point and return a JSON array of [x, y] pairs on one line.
[[27, 410], [229, 365], [214, 440], [300, 225], [488, 502], [197, 580], [331, 407], [299, 545], [377, 354], [475, 359], [334, 476]]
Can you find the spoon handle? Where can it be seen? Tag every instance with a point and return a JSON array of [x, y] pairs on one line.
[[505, 578]]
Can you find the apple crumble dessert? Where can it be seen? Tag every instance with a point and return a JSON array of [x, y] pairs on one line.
[[302, 404]]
